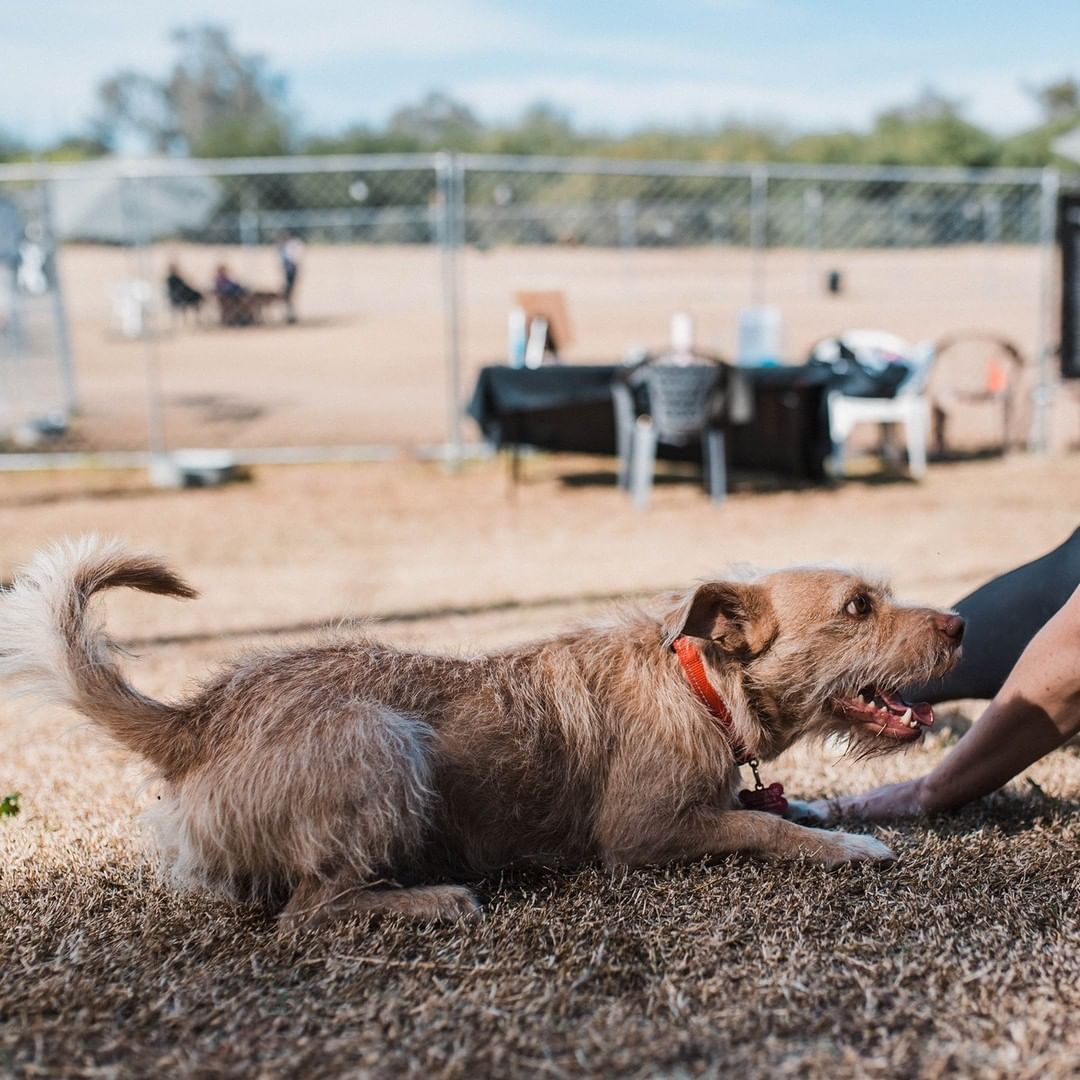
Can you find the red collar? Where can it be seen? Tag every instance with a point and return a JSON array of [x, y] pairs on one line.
[[694, 667], [770, 799]]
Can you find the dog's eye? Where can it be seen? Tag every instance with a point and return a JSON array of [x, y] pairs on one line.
[[858, 606]]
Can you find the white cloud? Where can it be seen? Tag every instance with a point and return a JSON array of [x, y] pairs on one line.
[[995, 101], [618, 104], [403, 29], [54, 59], [58, 51]]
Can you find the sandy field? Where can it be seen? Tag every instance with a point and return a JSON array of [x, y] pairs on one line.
[[366, 363], [962, 959]]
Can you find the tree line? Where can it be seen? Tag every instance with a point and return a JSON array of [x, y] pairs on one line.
[[218, 101]]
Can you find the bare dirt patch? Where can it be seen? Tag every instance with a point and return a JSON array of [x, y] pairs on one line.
[[366, 363]]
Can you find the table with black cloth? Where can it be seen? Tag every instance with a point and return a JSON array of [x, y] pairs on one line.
[[568, 408]]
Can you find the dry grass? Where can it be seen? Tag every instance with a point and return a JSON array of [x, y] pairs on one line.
[[962, 958]]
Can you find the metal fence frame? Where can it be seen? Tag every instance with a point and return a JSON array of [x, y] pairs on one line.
[[451, 174]]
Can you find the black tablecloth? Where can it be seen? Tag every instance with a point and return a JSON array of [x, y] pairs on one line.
[[568, 408]]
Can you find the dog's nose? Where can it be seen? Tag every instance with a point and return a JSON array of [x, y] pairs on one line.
[[952, 626]]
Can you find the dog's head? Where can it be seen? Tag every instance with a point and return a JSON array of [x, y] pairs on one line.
[[820, 651]]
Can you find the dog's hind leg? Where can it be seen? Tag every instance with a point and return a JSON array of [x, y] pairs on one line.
[[319, 903]]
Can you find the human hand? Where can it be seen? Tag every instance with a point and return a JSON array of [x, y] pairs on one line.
[[804, 813], [882, 804]]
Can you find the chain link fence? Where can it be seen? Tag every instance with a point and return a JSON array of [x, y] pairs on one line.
[[37, 390], [171, 281]]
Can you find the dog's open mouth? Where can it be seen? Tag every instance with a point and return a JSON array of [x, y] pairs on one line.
[[887, 714]]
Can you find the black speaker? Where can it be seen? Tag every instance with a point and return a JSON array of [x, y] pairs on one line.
[[1068, 229]]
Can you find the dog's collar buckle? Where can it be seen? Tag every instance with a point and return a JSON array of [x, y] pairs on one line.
[[770, 799]]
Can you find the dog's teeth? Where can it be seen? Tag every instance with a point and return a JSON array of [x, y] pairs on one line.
[[863, 699], [906, 716]]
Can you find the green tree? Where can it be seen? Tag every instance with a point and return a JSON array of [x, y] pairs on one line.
[[1060, 105], [541, 129], [76, 148], [12, 148], [929, 131], [437, 122], [362, 139], [215, 102], [1059, 100]]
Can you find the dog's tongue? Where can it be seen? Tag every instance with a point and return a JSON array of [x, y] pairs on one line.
[[923, 711]]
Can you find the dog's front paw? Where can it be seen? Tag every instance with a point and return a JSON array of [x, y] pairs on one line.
[[852, 847]]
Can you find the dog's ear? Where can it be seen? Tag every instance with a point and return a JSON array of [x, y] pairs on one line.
[[736, 616]]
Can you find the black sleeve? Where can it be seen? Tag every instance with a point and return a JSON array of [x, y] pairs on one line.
[[1002, 617]]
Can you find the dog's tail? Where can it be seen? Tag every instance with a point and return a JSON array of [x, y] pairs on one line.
[[52, 647]]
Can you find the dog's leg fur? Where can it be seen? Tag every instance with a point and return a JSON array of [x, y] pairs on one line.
[[720, 832], [318, 903]]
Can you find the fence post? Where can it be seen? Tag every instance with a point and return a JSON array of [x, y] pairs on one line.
[[759, 223], [450, 180], [1043, 394], [813, 227], [139, 234], [627, 218], [250, 226], [63, 338]]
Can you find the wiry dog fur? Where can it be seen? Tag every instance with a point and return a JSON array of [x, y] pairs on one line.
[[352, 776]]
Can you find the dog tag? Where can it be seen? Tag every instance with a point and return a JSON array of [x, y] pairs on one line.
[[770, 799]]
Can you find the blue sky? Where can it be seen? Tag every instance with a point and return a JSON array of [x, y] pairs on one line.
[[613, 65]]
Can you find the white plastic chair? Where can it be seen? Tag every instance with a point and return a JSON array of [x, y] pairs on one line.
[[132, 302], [909, 408]]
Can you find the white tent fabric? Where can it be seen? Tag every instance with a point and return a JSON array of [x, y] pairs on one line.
[[119, 210]]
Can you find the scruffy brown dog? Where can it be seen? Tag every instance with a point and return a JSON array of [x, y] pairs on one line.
[[354, 777]]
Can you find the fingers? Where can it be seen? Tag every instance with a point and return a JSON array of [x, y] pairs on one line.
[[882, 804], [807, 813]]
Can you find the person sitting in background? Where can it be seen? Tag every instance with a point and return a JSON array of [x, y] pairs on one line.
[[182, 296], [234, 300], [225, 285]]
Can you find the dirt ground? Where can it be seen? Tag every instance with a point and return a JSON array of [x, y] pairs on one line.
[[962, 959], [366, 362]]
